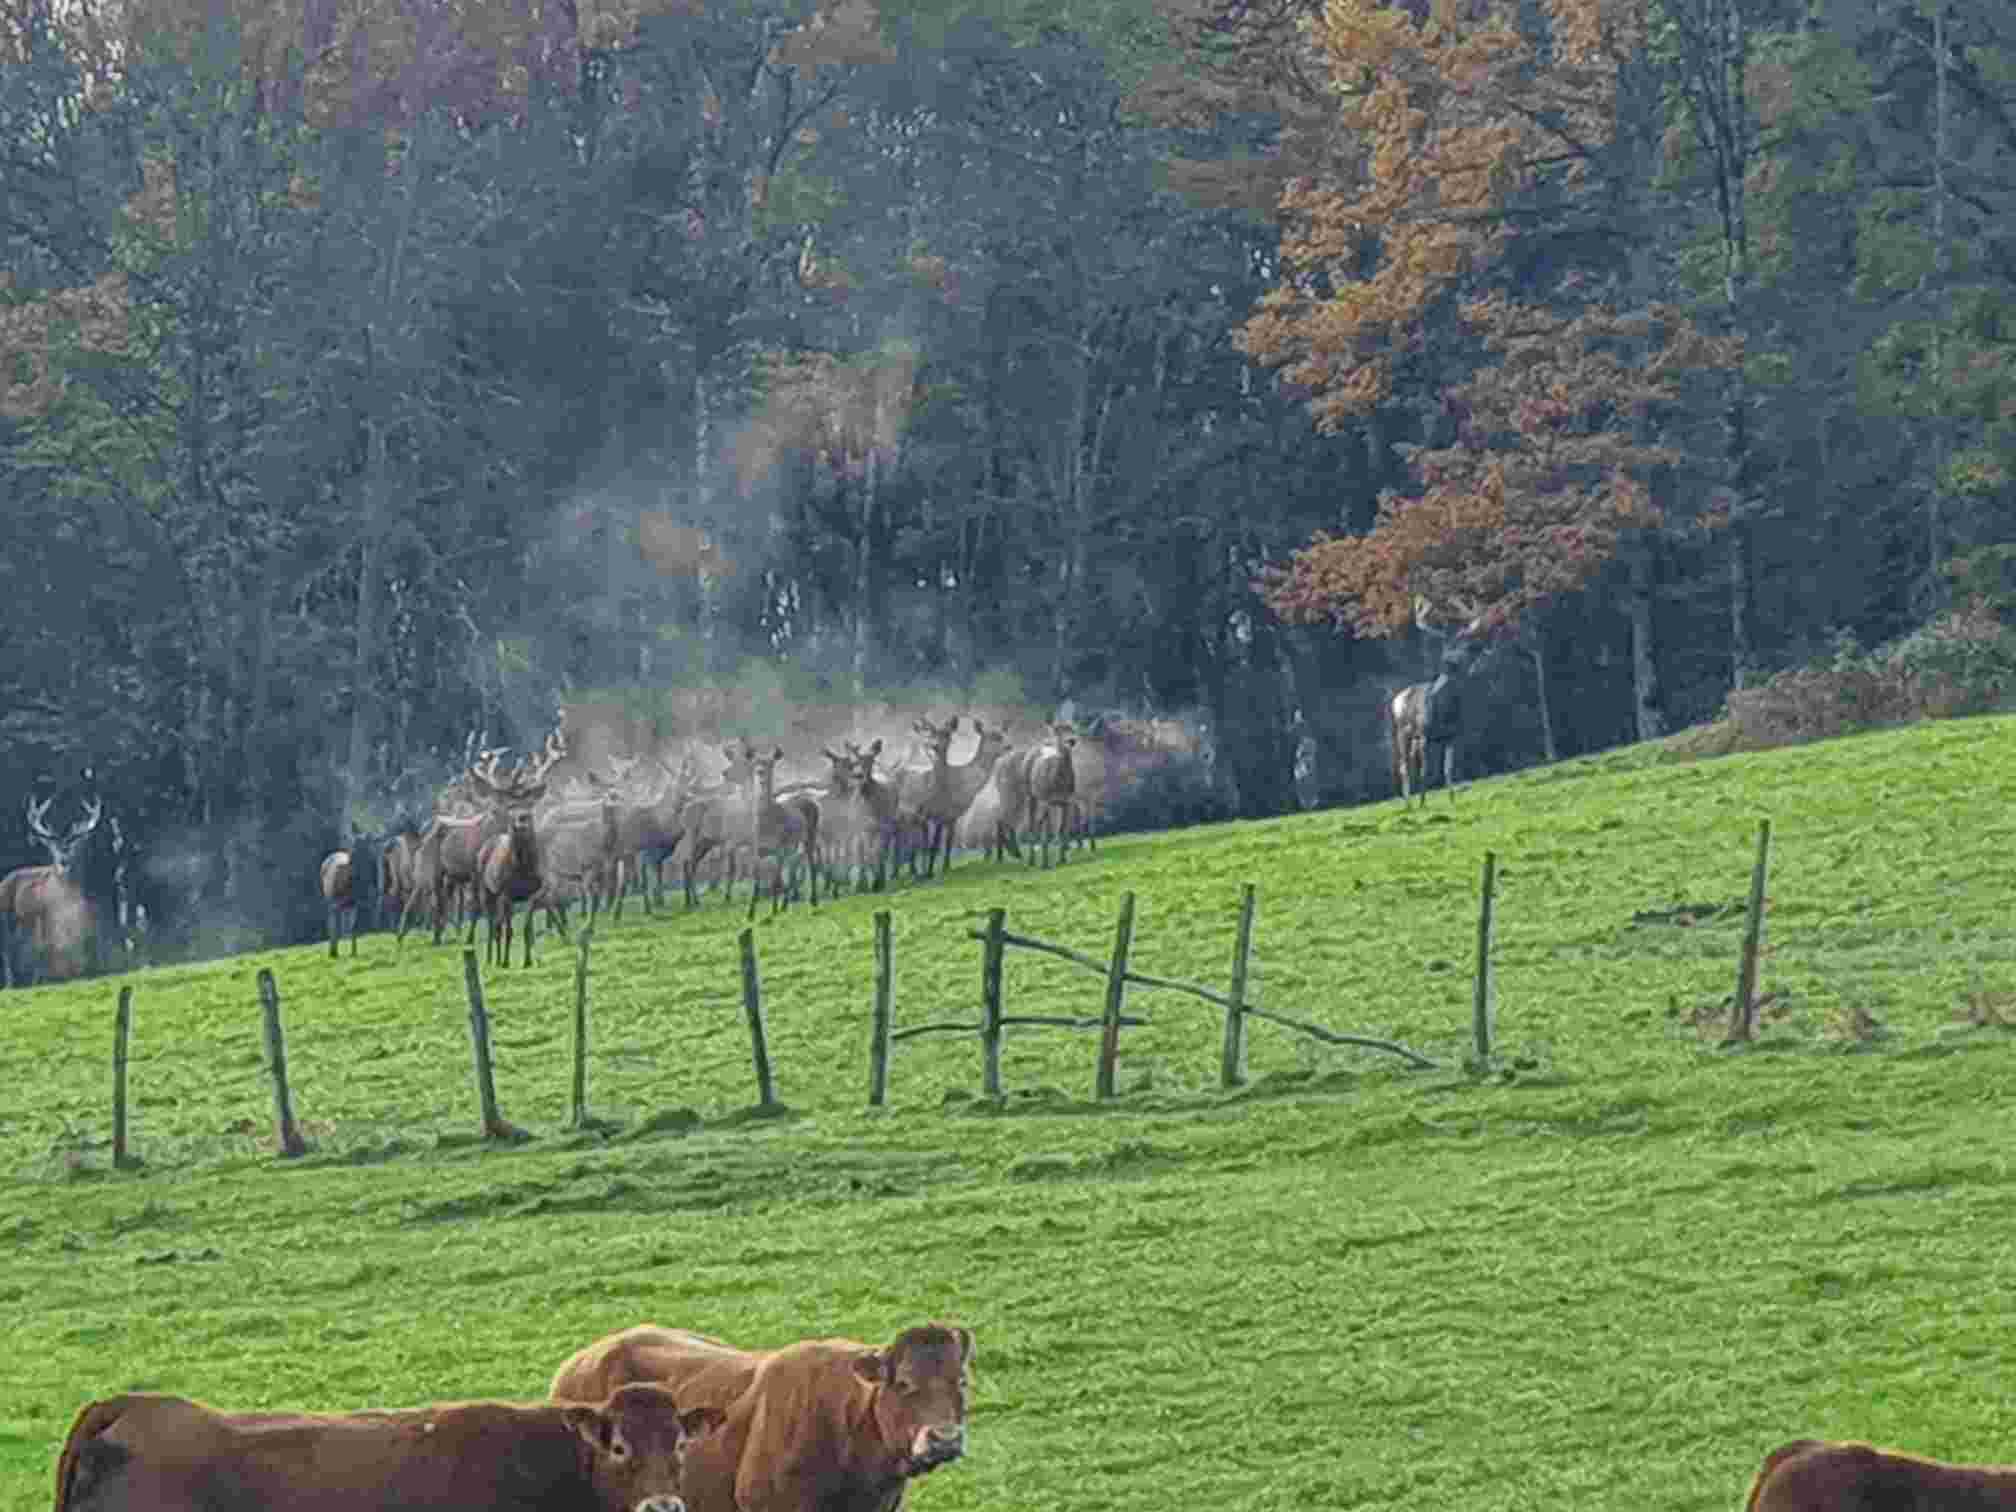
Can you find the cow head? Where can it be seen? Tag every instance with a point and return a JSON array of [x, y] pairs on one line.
[[920, 1393], [637, 1445]]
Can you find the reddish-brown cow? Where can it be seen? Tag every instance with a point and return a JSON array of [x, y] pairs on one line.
[[148, 1453], [1808, 1475], [828, 1425]]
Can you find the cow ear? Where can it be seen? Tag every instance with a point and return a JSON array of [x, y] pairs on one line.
[[695, 1421], [871, 1367], [598, 1430]]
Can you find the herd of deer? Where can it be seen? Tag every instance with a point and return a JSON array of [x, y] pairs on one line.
[[501, 839]]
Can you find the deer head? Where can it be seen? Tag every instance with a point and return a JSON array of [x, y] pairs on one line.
[[63, 849]]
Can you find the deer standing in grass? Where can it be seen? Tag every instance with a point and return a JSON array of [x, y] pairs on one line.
[[867, 806], [511, 867], [1050, 785], [781, 829], [581, 851], [650, 830], [1444, 711], [45, 903], [718, 818], [397, 860], [339, 898], [956, 787]]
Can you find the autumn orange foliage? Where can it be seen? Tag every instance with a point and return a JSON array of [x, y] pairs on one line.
[[1546, 473], [1461, 126]]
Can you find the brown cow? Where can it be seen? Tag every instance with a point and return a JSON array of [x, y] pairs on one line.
[[148, 1453], [828, 1425], [1808, 1475]]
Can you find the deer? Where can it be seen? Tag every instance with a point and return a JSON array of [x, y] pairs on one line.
[[779, 828], [581, 845], [718, 818], [339, 897], [1050, 783], [511, 865], [866, 804], [45, 902], [956, 787], [397, 859], [650, 826], [1444, 710], [449, 863]]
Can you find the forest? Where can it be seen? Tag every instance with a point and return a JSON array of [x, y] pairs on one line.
[[375, 373]]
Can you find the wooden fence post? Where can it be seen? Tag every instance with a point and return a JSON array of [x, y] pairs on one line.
[[1743, 1012], [1480, 1003], [494, 1126], [885, 988], [1116, 997], [578, 1114], [1232, 1063], [992, 950], [122, 1030], [291, 1142], [752, 1004]]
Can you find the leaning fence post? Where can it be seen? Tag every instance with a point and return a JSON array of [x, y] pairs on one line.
[[1232, 1063], [291, 1142], [993, 948], [1743, 1012], [752, 1004], [1480, 1003], [878, 1037], [578, 1116], [122, 1030], [494, 1126], [1116, 996]]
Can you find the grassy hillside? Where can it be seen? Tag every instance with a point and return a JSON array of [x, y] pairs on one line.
[[1611, 1277]]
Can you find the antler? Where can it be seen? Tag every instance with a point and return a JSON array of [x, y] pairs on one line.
[[36, 812], [90, 820]]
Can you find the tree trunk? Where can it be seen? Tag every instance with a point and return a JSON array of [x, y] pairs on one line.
[[1647, 700], [1537, 652]]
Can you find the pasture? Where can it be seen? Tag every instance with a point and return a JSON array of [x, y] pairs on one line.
[[1610, 1274]]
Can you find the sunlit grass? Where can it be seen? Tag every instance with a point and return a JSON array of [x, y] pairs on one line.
[[1609, 1277]]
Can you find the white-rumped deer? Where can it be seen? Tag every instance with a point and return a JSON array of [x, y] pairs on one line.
[[1443, 712], [339, 897], [45, 904], [397, 860]]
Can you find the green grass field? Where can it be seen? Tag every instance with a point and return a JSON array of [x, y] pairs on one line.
[[1609, 1277]]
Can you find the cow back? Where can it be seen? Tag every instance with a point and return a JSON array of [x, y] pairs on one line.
[[700, 1371], [148, 1453]]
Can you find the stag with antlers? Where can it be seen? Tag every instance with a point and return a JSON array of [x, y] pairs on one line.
[[45, 904], [1445, 711], [510, 865]]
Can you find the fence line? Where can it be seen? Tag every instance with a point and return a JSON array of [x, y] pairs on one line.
[[1118, 973]]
